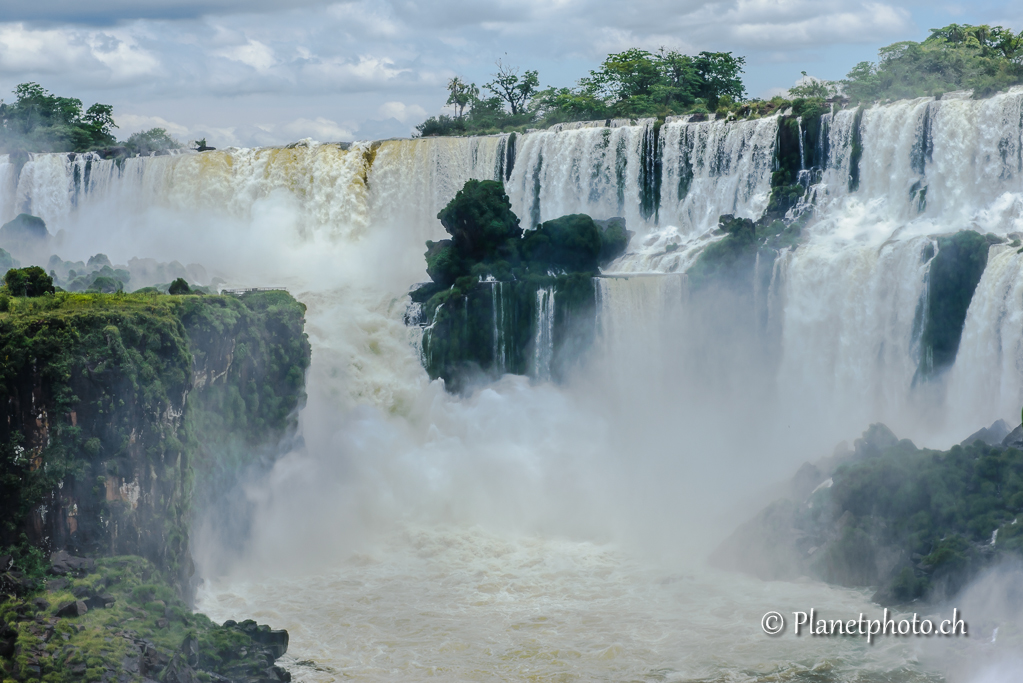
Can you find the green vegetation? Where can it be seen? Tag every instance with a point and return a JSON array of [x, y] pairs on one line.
[[38, 121], [29, 282], [149, 141], [135, 626], [141, 391], [630, 84], [912, 523], [483, 303], [984, 59]]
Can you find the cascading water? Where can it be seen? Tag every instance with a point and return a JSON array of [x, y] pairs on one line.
[[420, 512], [592, 170], [543, 349]]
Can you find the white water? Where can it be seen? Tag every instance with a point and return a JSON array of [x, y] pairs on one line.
[[593, 170], [534, 532]]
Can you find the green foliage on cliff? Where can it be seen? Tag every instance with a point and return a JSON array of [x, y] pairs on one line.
[[940, 507], [489, 279], [136, 628], [911, 523], [94, 413], [984, 59], [486, 241]]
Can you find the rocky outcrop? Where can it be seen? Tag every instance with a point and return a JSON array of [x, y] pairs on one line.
[[115, 619], [104, 418], [911, 523]]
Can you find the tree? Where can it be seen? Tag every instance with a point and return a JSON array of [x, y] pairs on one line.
[[41, 122], [511, 89], [179, 286], [679, 79], [479, 219], [31, 281], [813, 87], [460, 94], [721, 75], [628, 76], [152, 140]]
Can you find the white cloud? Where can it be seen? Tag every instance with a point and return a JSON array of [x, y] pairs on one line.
[[320, 129], [111, 57], [401, 111], [253, 53], [133, 123]]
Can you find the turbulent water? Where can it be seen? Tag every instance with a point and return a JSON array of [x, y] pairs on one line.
[[541, 532]]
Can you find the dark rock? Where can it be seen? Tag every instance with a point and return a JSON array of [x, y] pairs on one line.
[[81, 591], [63, 564], [283, 675], [6, 562], [275, 640], [56, 585], [41, 604], [100, 601], [72, 609], [876, 439], [190, 649], [992, 436], [1014, 439]]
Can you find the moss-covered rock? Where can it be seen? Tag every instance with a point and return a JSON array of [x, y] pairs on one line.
[[113, 403], [911, 523], [118, 618]]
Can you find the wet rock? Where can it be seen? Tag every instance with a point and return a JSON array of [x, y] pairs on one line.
[[1014, 439], [63, 564], [275, 640], [72, 609], [992, 436], [99, 601]]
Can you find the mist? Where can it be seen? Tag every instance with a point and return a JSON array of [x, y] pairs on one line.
[[409, 532]]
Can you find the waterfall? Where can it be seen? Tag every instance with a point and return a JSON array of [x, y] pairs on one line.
[[883, 182], [987, 378], [543, 343], [593, 169]]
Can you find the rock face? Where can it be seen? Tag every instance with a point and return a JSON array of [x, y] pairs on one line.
[[110, 412], [911, 523]]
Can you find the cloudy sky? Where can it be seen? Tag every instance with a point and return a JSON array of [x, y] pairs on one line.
[[255, 72]]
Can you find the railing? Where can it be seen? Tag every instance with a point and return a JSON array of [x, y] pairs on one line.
[[245, 290]]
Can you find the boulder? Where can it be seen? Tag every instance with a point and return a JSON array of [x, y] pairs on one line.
[[75, 608], [62, 564]]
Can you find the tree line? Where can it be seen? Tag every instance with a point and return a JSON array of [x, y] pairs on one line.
[[630, 84], [984, 59], [39, 121]]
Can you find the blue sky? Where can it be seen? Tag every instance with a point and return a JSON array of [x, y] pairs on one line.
[[251, 72]]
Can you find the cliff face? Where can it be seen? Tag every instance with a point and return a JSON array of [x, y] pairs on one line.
[[106, 412]]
